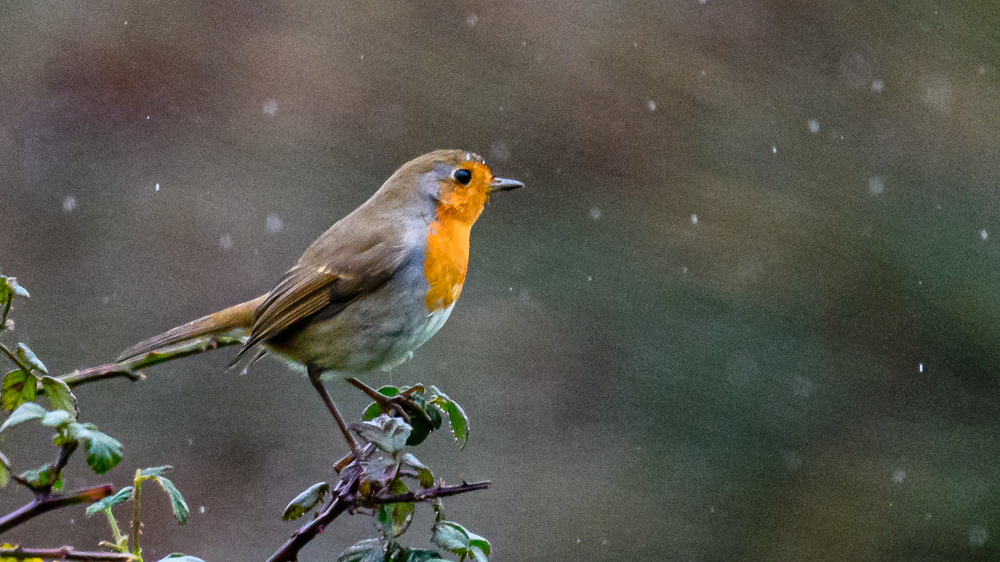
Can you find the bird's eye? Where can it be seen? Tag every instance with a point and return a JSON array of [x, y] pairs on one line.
[[463, 176]]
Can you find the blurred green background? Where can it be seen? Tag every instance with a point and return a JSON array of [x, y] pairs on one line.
[[746, 308]]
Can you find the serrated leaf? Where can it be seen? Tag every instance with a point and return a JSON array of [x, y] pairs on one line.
[[305, 501], [56, 418], [456, 416], [424, 475], [155, 471], [177, 503], [120, 496], [386, 432], [478, 542], [373, 410], [18, 387], [451, 536], [178, 557], [395, 517], [25, 354], [60, 396], [368, 550], [23, 413], [103, 451]]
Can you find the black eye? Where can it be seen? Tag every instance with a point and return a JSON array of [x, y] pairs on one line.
[[463, 176]]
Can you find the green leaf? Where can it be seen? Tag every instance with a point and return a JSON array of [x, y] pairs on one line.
[[120, 496], [424, 475], [451, 536], [456, 416], [459, 540], [23, 413], [386, 432], [25, 354], [60, 396], [178, 557], [177, 503], [368, 550], [4, 476], [373, 410], [17, 388], [16, 287], [155, 471], [305, 501], [395, 517], [103, 451], [56, 418], [42, 476]]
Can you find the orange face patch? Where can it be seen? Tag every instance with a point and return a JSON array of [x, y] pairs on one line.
[[447, 257]]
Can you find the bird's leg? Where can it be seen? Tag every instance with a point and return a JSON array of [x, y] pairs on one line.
[[314, 378], [391, 404]]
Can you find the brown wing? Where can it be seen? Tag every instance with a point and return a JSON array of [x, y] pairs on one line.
[[307, 289]]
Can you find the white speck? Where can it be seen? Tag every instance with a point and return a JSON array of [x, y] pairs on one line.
[[595, 213], [190, 441], [898, 476], [684, 269], [501, 108], [147, 118], [877, 86], [651, 105], [694, 219], [982, 69], [711, 509], [126, 22], [702, 1], [273, 223], [157, 186], [636, 45], [813, 126], [876, 186], [72, 521], [703, 73], [226, 241], [524, 43], [271, 107], [511, 289], [69, 203], [589, 278], [604, 541], [978, 535], [774, 150], [920, 367], [201, 509], [362, 57], [983, 234], [471, 20], [577, 541]]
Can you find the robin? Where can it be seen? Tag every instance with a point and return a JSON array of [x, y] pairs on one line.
[[371, 289]]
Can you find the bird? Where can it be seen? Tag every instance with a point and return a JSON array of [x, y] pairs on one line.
[[371, 289]]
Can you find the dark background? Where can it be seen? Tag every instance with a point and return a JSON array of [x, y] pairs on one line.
[[746, 307]]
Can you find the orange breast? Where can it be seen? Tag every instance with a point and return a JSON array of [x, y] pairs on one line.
[[446, 260]]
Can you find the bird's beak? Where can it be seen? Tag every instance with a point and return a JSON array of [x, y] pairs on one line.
[[503, 184]]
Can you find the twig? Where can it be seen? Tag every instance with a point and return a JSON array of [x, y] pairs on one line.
[[46, 502], [130, 369], [64, 553], [12, 357], [419, 496]]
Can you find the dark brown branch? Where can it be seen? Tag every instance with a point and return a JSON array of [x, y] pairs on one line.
[[289, 552], [64, 553], [425, 495], [46, 502], [347, 498]]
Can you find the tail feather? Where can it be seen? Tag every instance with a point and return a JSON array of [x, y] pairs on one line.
[[240, 316]]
